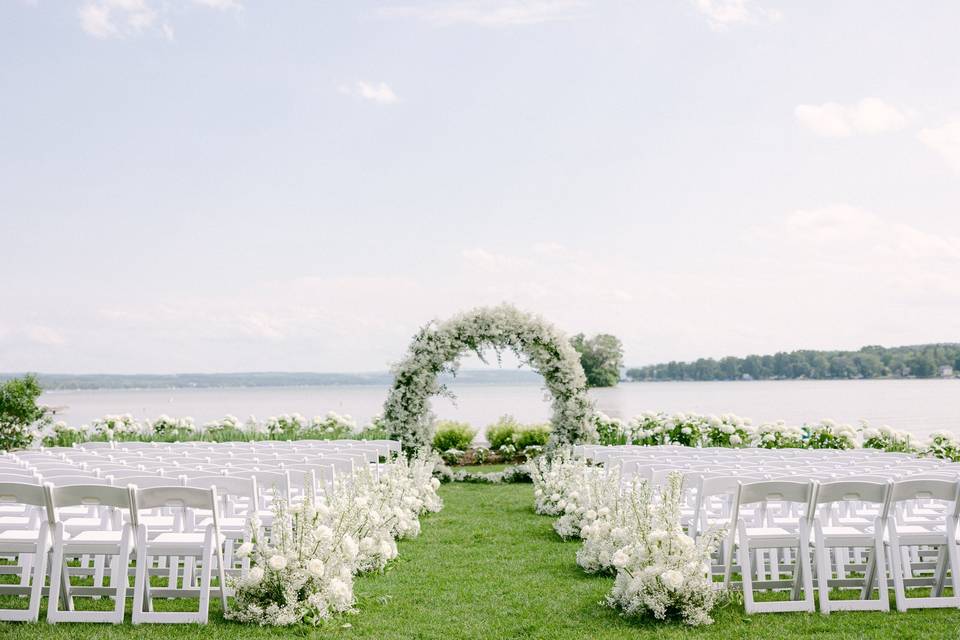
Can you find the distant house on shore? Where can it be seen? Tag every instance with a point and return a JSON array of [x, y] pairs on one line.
[[946, 371]]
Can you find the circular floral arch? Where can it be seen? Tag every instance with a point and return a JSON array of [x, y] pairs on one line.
[[438, 347]]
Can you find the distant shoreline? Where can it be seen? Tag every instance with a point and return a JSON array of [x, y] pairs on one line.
[[464, 378]]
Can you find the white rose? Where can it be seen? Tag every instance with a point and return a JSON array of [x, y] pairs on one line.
[[244, 550], [672, 579], [735, 439], [315, 567], [620, 559], [255, 575], [277, 562]]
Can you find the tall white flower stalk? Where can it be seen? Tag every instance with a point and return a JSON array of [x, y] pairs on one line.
[[634, 532], [662, 572], [303, 570]]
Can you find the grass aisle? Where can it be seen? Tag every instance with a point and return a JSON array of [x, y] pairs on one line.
[[488, 567]]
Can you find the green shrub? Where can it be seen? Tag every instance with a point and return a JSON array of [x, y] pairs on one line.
[[453, 435], [532, 435], [20, 415], [502, 432]]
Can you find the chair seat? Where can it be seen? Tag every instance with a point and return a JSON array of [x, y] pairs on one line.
[[771, 537], [14, 521], [157, 522], [235, 523], [179, 541], [840, 536], [19, 535], [914, 534], [91, 523], [111, 537]]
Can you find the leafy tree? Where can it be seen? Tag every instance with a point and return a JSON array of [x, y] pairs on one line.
[[921, 361], [20, 415], [601, 357]]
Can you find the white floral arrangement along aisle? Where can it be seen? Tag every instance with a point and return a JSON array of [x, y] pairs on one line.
[[302, 570], [633, 532]]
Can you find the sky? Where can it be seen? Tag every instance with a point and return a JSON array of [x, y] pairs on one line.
[[241, 185]]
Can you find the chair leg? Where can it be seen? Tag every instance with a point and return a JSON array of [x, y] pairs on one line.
[[746, 575], [39, 577], [206, 573], [896, 559], [880, 570], [953, 555], [939, 572], [118, 577], [823, 574], [142, 576], [58, 576]]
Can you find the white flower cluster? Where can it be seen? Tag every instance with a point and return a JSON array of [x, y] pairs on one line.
[[827, 434], [634, 532], [887, 439], [167, 427], [116, 427], [437, 348], [302, 570], [779, 435]]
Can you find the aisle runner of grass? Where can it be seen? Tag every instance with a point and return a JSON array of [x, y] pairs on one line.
[[487, 567]]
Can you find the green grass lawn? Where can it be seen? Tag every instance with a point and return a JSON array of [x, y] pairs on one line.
[[488, 567]]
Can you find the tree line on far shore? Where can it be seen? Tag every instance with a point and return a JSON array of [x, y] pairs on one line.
[[918, 361]]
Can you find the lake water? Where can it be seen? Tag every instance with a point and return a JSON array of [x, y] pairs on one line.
[[918, 406]]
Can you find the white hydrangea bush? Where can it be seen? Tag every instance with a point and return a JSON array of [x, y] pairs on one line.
[[827, 434], [303, 570], [437, 348], [779, 435]]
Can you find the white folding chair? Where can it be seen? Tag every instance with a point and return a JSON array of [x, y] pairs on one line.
[[749, 539], [841, 538], [30, 544], [207, 546], [940, 531], [118, 543]]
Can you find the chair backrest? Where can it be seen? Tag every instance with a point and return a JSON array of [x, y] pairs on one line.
[[22, 493], [268, 482], [64, 481], [230, 487], [176, 498], [925, 489], [856, 491], [88, 495], [145, 481], [776, 491]]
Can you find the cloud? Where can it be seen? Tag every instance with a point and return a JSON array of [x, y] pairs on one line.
[[376, 92], [870, 116], [944, 140], [721, 14], [222, 5], [488, 13], [42, 335], [106, 19], [115, 18]]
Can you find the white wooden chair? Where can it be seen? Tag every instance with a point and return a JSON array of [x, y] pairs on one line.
[[840, 538], [31, 542], [117, 542], [939, 531], [748, 539], [207, 546]]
